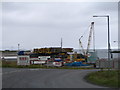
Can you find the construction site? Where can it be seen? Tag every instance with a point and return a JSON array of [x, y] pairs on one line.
[[59, 56]]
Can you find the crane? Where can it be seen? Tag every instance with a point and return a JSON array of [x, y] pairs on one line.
[[90, 37], [89, 40], [81, 45]]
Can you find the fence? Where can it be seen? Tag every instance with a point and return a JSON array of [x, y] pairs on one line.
[[103, 63]]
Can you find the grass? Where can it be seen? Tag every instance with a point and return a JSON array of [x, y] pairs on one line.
[[9, 63], [105, 78], [0, 63], [13, 64]]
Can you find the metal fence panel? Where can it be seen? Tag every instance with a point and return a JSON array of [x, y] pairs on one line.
[[114, 64]]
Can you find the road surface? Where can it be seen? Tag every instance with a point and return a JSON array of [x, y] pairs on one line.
[[45, 78]]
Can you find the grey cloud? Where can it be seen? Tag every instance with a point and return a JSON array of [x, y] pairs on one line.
[[43, 24], [105, 6]]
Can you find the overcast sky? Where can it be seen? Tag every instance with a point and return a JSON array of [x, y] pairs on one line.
[[37, 24]]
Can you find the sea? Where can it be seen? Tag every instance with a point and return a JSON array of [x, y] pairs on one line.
[[101, 53]]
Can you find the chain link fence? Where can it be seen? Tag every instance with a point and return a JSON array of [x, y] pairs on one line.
[[104, 63]]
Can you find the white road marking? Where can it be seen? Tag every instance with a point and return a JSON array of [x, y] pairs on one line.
[[24, 70], [12, 71]]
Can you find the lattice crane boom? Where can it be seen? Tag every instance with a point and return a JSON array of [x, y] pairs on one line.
[[81, 45], [90, 37]]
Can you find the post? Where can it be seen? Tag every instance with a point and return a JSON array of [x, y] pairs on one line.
[[18, 47], [108, 43], [61, 44], [108, 38], [17, 54]]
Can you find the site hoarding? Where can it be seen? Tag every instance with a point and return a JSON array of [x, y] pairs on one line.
[[38, 62], [57, 64], [43, 57], [26, 60], [23, 60]]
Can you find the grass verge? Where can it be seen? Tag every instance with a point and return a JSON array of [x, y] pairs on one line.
[[13, 64], [105, 78], [0, 63]]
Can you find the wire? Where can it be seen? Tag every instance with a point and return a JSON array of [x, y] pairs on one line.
[[85, 31]]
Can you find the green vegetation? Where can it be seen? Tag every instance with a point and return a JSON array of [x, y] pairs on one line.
[[9, 63], [104, 78], [13, 64], [0, 63]]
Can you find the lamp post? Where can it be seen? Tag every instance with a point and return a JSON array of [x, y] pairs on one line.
[[107, 16], [18, 47]]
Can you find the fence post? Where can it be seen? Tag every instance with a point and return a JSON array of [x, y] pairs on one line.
[[113, 64]]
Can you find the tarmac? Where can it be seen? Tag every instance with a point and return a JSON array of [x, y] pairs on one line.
[[45, 78]]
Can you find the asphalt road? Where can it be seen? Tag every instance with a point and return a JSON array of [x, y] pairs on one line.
[[45, 78]]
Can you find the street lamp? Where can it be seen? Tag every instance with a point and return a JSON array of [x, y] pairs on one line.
[[18, 47], [108, 34], [116, 41]]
